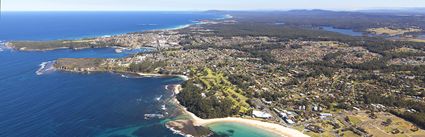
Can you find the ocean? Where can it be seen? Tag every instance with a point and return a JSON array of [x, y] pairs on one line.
[[47, 103], [74, 25]]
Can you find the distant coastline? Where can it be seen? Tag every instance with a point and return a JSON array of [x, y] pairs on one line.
[[86, 42]]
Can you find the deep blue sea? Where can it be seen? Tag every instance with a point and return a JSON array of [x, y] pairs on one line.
[[75, 25], [78, 105]]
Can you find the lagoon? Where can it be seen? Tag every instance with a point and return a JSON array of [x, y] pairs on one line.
[[349, 32]]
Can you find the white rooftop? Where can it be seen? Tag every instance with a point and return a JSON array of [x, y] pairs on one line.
[[261, 114]]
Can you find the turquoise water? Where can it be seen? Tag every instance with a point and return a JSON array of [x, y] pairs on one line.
[[63, 104], [80, 105], [238, 130], [343, 31]]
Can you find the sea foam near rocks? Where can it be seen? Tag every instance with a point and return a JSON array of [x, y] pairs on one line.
[[46, 67], [177, 132], [3, 46]]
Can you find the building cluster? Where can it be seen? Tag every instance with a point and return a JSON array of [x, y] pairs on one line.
[[157, 39], [284, 90]]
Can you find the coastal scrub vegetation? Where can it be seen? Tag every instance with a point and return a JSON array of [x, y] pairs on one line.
[[358, 21], [146, 66], [58, 44], [210, 95], [298, 69]]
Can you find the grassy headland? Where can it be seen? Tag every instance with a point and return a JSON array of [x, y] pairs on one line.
[[210, 95], [53, 45]]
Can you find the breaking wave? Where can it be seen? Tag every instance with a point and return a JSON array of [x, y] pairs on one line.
[[45, 67], [177, 132], [130, 76], [158, 98], [3, 46]]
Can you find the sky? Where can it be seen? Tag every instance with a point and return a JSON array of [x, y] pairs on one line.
[[197, 5]]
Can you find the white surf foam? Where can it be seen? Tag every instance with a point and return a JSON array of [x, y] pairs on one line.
[[3, 46], [158, 98], [178, 27], [130, 76], [125, 76], [178, 132], [106, 36], [45, 67]]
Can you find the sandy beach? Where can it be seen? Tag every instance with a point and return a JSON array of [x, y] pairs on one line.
[[151, 75], [271, 127], [183, 77]]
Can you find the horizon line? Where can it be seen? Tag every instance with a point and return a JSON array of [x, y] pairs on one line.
[[195, 10]]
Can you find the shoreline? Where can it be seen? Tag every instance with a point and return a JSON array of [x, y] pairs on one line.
[[183, 77], [195, 121], [8, 44], [173, 28]]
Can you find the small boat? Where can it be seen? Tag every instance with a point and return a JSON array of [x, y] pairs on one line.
[[163, 107]]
